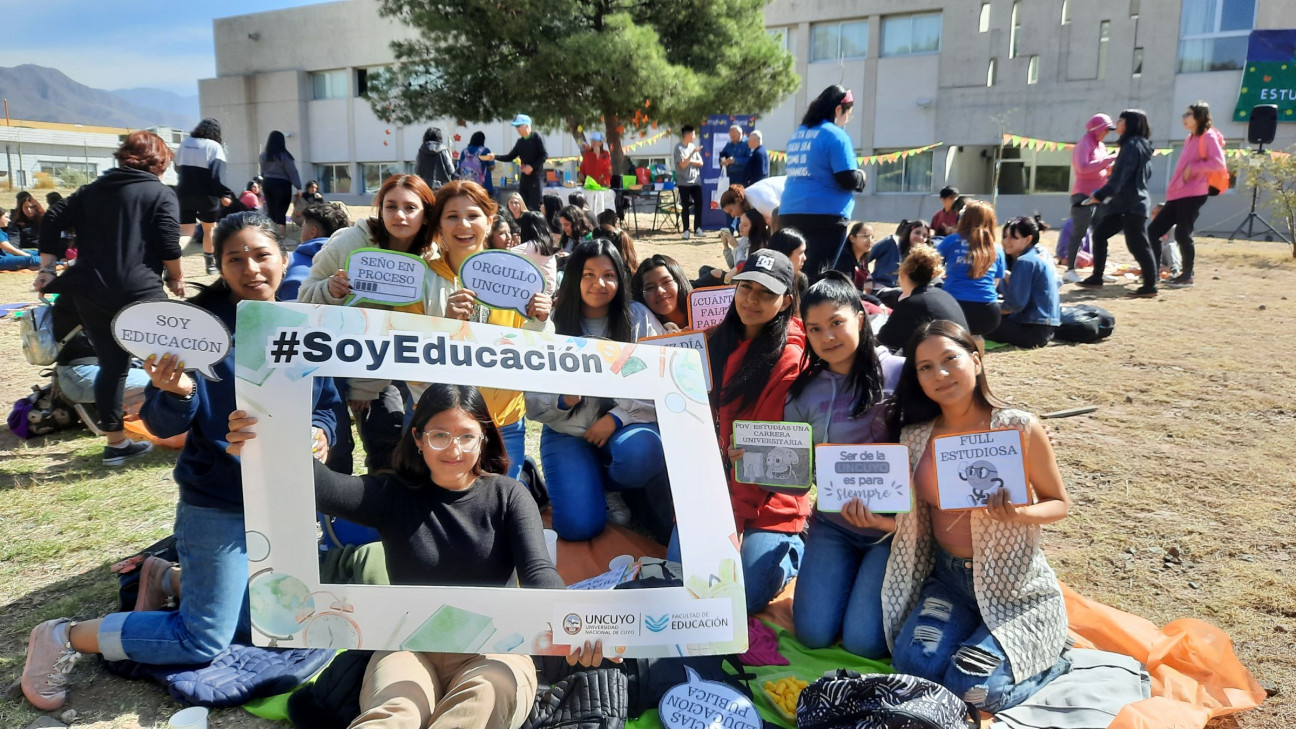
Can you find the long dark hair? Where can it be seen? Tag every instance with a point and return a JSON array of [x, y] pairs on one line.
[[208, 128], [759, 235], [785, 241], [276, 147], [676, 272], [535, 229], [580, 222], [824, 107], [551, 205], [408, 462], [1136, 125], [478, 139], [225, 229], [910, 404], [758, 364], [903, 232], [569, 309], [865, 378], [1200, 111]]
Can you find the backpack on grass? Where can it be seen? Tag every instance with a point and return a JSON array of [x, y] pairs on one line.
[[1085, 323], [848, 700]]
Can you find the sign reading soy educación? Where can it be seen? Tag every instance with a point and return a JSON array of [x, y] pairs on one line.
[[155, 328], [282, 347]]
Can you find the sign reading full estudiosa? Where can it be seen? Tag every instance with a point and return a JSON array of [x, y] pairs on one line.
[[385, 277], [502, 280], [282, 347], [777, 454], [708, 306], [1269, 76], [972, 466], [877, 475], [155, 328]]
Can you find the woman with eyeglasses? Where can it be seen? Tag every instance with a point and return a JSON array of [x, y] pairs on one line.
[[446, 515]]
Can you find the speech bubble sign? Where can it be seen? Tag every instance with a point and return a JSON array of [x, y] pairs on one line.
[[192, 333], [708, 306], [699, 704], [971, 466], [385, 277], [502, 279], [695, 341], [876, 474]]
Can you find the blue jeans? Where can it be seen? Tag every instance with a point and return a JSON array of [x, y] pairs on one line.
[[77, 382], [769, 560], [515, 444], [577, 473], [213, 597], [839, 590], [944, 640], [10, 262]]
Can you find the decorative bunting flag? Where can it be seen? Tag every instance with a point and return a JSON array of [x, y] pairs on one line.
[[1017, 140]]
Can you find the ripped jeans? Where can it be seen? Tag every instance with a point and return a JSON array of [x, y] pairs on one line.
[[944, 640]]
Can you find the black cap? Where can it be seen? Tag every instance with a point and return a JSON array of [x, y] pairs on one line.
[[770, 269]]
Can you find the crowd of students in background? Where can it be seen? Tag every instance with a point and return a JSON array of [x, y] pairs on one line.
[[869, 341]]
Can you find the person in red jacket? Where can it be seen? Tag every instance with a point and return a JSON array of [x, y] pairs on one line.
[[753, 364], [596, 161]]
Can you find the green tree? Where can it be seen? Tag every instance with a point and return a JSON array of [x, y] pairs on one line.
[[627, 65], [1275, 176]]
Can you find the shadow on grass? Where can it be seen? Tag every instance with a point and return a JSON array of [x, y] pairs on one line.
[[62, 458]]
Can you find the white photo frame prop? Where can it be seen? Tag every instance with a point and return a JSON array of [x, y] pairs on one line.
[[279, 349]]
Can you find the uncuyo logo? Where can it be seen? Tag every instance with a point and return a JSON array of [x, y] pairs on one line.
[[657, 624], [571, 624]]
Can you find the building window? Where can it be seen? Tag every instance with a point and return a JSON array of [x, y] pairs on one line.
[[991, 72], [1030, 172], [69, 174], [1032, 70], [329, 84], [334, 178], [911, 174], [372, 175], [906, 35], [836, 41], [983, 25], [1015, 32], [1134, 8], [364, 77], [1104, 38], [1066, 12], [1138, 62], [780, 36], [1213, 34]]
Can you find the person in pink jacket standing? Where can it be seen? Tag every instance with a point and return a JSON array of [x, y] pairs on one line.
[[1203, 153], [1092, 163]]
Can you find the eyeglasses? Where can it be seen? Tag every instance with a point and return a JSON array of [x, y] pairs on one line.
[[439, 441]]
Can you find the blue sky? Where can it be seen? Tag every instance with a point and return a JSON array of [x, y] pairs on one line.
[[115, 44]]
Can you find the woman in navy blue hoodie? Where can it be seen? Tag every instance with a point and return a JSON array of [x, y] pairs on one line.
[[213, 571], [1126, 204]]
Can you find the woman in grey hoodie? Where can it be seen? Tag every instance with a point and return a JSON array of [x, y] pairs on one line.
[[434, 163]]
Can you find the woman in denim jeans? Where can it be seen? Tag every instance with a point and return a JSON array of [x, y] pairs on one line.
[[838, 589], [968, 599], [211, 584]]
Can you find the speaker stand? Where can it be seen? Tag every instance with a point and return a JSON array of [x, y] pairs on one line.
[[1249, 222]]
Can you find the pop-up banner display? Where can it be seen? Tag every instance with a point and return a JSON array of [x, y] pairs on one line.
[[708, 306], [695, 341], [971, 466], [155, 328], [877, 475], [385, 277], [502, 279], [282, 347]]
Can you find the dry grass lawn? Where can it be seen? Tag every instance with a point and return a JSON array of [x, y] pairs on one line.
[[1189, 451]]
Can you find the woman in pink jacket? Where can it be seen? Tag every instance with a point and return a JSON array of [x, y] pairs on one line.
[[1092, 164], [1203, 153]]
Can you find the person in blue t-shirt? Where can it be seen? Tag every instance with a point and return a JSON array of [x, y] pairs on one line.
[[973, 267], [1031, 311], [822, 179]]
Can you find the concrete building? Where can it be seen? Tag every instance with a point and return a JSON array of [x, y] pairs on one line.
[[50, 154], [923, 71]]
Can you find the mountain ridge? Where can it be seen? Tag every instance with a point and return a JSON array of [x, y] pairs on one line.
[[39, 93]]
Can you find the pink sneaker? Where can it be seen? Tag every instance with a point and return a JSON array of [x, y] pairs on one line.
[[50, 659], [155, 576]]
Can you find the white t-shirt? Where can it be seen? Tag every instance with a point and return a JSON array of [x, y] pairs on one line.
[[765, 195]]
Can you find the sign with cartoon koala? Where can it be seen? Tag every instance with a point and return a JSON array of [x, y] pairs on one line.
[[971, 466], [777, 455]]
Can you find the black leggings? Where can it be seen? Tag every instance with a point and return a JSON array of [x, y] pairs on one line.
[[278, 194], [1136, 240], [825, 236], [1026, 336], [114, 362], [982, 317], [1182, 214], [690, 197], [381, 425]]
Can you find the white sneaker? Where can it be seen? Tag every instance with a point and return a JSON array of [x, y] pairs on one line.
[[1108, 278], [1071, 276], [686, 235], [617, 511]]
